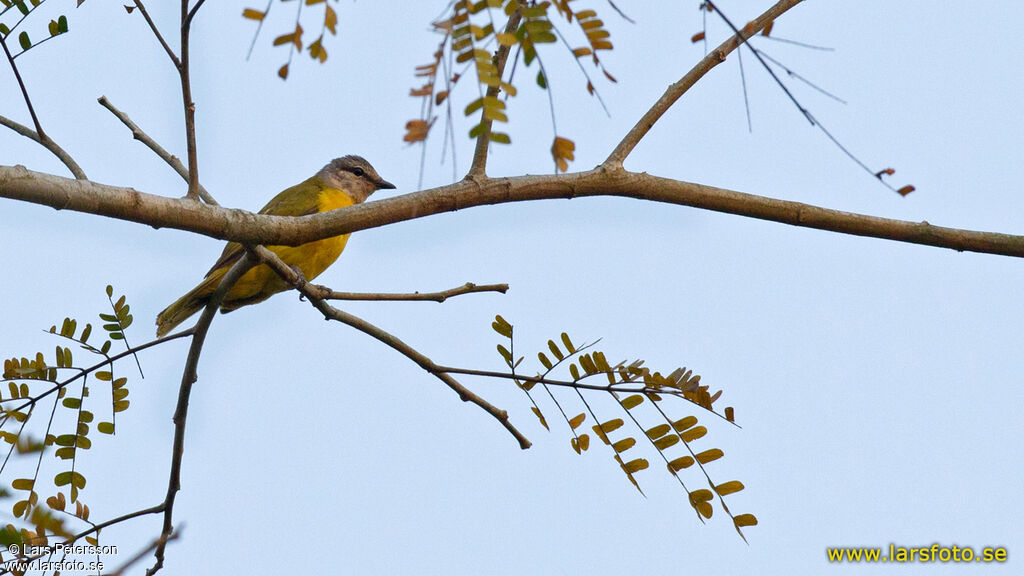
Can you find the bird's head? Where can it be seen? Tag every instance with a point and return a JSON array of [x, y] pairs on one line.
[[355, 176]]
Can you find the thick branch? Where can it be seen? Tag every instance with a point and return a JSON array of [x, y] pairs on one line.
[[166, 156], [284, 271], [479, 166], [675, 91], [467, 288], [47, 143], [19, 183]]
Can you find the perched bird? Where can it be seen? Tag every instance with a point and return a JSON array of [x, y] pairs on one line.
[[343, 182]]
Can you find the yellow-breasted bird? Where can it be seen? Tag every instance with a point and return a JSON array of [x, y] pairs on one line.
[[343, 182]]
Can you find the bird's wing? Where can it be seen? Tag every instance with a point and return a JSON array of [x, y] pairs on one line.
[[299, 200]]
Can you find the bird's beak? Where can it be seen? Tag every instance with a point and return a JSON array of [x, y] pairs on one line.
[[385, 185]]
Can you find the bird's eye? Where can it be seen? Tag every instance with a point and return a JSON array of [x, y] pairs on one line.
[[358, 172]]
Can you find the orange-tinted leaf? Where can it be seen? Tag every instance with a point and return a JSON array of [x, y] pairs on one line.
[[249, 13], [709, 455], [745, 520], [726, 488], [575, 422], [697, 37], [905, 190]]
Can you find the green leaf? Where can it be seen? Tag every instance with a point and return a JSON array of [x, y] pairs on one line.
[[544, 360], [500, 138], [105, 427], [23, 484], [62, 24], [72, 403], [554, 349], [542, 80], [501, 326], [505, 354], [568, 343]]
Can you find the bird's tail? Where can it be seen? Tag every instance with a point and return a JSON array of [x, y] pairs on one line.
[[187, 305]]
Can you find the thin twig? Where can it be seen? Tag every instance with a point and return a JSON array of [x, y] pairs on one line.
[[676, 90], [188, 378], [21, 84], [162, 540], [190, 106], [467, 288], [290, 276], [478, 168], [47, 143], [156, 32], [167, 157]]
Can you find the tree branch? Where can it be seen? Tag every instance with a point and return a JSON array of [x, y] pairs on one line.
[[156, 32], [188, 378], [290, 276], [190, 106], [21, 84], [675, 91], [167, 157], [467, 288], [479, 166], [47, 143], [19, 183]]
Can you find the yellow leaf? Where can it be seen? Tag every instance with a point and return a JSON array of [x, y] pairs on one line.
[[745, 520], [623, 445], [657, 431], [680, 463], [709, 455], [253, 14], [726, 488], [611, 425], [684, 423], [635, 465], [693, 433], [577, 420], [540, 417], [632, 401], [666, 442]]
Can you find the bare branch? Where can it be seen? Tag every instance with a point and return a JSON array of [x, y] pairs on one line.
[[479, 166], [467, 288], [21, 84], [141, 136], [156, 32], [289, 275], [19, 183], [675, 91], [188, 378], [190, 106], [47, 143]]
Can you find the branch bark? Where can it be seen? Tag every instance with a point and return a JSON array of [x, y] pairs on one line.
[[479, 166], [19, 183], [332, 313]]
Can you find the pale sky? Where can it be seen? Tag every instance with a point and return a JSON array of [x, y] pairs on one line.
[[878, 384]]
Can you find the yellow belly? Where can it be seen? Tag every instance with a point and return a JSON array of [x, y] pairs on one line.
[[313, 258]]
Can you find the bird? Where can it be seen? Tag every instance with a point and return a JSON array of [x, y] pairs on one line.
[[342, 182]]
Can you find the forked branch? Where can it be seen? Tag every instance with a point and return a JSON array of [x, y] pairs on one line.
[[330, 312]]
